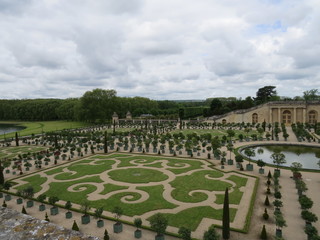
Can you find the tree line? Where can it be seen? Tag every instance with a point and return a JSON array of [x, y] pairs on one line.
[[99, 105]]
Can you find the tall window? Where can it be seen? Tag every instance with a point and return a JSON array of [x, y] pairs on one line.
[[286, 117], [254, 118], [312, 117]]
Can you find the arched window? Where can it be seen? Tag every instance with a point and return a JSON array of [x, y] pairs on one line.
[[254, 118], [286, 117], [313, 116]]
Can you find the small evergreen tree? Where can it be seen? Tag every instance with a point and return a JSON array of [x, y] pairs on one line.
[[23, 210], [106, 235], [265, 214], [226, 217], [47, 218], [75, 226], [263, 234], [266, 201], [185, 233], [4, 204]]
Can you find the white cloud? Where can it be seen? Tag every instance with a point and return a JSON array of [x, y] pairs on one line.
[[159, 49]]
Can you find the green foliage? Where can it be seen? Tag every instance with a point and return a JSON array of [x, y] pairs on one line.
[[305, 202], [266, 201], [4, 204], [309, 216], [263, 234], [75, 226], [265, 94], [185, 233], [117, 211], [68, 205], [52, 200], [85, 206], [41, 198], [265, 214], [106, 235], [226, 217], [47, 218], [137, 222], [158, 223], [98, 212], [211, 234], [23, 210]]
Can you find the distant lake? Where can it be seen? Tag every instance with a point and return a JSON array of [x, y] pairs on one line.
[[9, 128]]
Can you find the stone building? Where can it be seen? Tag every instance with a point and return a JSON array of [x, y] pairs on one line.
[[287, 112]]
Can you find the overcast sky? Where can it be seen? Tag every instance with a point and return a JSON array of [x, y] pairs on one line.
[[161, 49]]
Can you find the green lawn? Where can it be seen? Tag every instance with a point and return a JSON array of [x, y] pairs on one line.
[[191, 218], [45, 126]]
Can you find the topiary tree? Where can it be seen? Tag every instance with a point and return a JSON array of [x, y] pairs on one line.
[[226, 217], [261, 163], [158, 223], [266, 201], [265, 214], [211, 234], [309, 216], [278, 158], [4, 204], [117, 211], [137, 223], [263, 234], [47, 218], [85, 207], [185, 233], [75, 226], [305, 202], [106, 235], [23, 210]]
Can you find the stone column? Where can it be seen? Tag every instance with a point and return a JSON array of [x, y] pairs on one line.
[[279, 117], [304, 115]]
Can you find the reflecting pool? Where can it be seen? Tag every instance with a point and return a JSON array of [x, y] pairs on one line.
[[307, 156], [8, 128]]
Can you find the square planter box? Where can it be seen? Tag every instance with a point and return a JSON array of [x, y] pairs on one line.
[[279, 233], [7, 198], [19, 201], [137, 233], [42, 207], [230, 162], [261, 170], [85, 219], [54, 210], [249, 167], [68, 215], [100, 223], [30, 204], [7, 171], [117, 227]]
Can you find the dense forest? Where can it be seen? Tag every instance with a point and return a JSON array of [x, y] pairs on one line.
[[98, 105]]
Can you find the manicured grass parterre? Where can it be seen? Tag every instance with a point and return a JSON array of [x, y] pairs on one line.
[[45, 126], [178, 187]]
